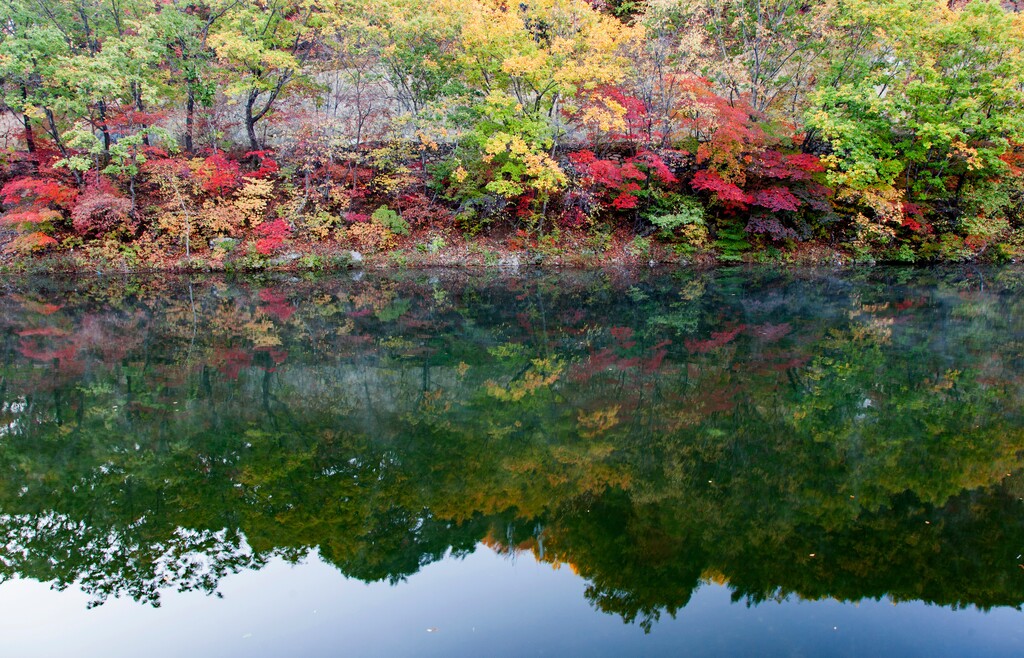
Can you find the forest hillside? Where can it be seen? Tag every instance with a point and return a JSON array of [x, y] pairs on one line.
[[248, 133]]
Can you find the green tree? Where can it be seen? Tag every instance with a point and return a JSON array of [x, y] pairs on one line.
[[263, 51], [924, 113]]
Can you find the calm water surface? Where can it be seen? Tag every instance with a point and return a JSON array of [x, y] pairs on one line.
[[733, 462]]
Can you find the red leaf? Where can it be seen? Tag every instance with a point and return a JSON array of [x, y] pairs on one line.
[[776, 199], [727, 193]]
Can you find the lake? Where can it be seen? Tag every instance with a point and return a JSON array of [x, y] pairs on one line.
[[736, 461]]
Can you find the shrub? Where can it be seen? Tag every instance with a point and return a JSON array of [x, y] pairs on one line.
[[41, 192], [216, 174], [731, 241], [31, 242], [771, 226], [273, 233], [621, 186], [369, 237], [436, 244], [685, 226], [419, 211], [218, 218], [389, 219], [34, 213], [639, 247], [902, 253], [689, 212], [251, 201], [99, 211], [321, 224]]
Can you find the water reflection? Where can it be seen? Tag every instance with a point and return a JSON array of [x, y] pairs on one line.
[[819, 434]]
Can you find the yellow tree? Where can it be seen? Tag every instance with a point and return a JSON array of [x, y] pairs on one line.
[[543, 54], [524, 68]]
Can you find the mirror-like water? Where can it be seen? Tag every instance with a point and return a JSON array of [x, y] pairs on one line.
[[732, 461]]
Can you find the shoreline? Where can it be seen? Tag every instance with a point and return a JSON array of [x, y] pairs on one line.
[[476, 255]]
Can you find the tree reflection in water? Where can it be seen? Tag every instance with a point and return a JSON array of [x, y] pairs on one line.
[[816, 434]]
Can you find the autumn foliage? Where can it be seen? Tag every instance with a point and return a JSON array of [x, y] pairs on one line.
[[272, 236], [700, 123], [101, 210]]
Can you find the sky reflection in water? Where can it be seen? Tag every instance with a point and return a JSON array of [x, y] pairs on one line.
[[672, 443]]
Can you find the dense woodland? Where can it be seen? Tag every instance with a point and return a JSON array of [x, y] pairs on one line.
[[153, 132]]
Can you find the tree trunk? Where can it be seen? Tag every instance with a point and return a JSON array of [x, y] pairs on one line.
[[105, 130], [55, 135], [137, 93], [190, 113], [252, 117], [250, 123], [30, 140]]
